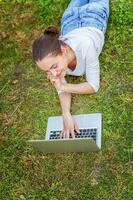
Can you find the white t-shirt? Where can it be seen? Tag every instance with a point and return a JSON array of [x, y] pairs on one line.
[[87, 43]]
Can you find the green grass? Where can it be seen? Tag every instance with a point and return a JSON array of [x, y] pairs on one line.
[[26, 174]]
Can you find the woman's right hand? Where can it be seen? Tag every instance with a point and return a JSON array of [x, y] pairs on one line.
[[69, 126]]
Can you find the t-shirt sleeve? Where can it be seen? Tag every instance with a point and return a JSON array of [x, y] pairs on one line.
[[92, 68]]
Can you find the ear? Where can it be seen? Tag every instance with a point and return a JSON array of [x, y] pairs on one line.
[[64, 50]]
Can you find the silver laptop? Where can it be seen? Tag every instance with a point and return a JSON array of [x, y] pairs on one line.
[[89, 138]]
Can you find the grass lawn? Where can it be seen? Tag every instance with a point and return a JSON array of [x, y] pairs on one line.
[[25, 105]]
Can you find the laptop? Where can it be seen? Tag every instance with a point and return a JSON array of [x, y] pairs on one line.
[[88, 140]]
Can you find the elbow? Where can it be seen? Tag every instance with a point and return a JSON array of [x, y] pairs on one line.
[[95, 88]]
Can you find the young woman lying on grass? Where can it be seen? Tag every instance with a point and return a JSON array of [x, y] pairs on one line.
[[75, 52]]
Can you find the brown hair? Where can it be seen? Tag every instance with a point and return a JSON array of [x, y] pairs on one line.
[[47, 43]]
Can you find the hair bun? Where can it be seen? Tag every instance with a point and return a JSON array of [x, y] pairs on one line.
[[52, 31]]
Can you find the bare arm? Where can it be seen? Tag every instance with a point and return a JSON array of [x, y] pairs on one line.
[[82, 88], [69, 124], [65, 101]]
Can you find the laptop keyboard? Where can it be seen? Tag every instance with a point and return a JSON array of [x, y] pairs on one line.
[[84, 133]]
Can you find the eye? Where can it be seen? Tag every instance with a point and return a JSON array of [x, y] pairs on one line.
[[55, 67]]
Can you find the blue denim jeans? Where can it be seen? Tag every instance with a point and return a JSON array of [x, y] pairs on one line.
[[85, 13]]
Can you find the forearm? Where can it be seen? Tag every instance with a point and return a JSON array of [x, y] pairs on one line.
[[65, 101], [82, 88]]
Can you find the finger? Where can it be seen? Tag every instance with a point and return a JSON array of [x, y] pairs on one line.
[[48, 76], [54, 81], [51, 78], [72, 133], [52, 75], [61, 134], [67, 134], [77, 129]]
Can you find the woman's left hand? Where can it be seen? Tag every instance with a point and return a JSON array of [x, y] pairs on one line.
[[56, 82]]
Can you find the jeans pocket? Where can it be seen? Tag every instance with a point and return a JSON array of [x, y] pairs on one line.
[[100, 11]]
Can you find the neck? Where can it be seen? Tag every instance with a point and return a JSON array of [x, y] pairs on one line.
[[71, 59]]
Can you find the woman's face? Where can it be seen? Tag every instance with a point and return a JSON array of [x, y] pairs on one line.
[[54, 66]]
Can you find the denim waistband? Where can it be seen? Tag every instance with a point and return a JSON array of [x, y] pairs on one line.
[[89, 15]]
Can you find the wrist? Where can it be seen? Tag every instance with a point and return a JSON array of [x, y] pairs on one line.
[[64, 113], [62, 88]]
